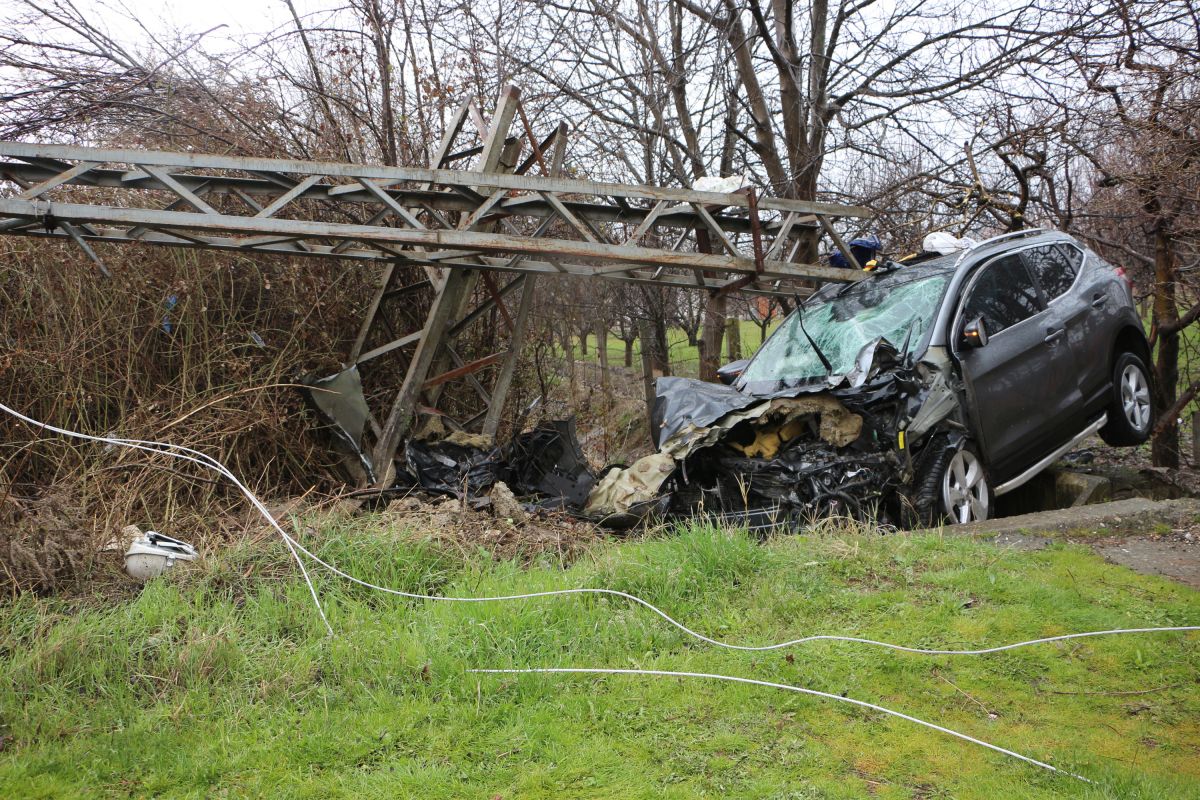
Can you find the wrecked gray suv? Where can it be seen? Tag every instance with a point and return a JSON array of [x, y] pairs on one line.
[[915, 395]]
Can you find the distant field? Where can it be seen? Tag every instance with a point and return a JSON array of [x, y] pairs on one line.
[[685, 359], [223, 684]]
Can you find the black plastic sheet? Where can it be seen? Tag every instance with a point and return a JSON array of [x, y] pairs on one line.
[[453, 469], [547, 461]]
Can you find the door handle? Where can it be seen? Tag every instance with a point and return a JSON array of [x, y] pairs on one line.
[[1099, 300], [1054, 334]]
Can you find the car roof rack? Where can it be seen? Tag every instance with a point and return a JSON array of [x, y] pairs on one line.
[[1010, 235], [1002, 237]]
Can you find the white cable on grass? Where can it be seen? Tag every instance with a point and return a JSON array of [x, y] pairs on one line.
[[786, 687], [195, 456]]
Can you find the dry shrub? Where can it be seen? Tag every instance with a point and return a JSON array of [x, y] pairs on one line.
[[198, 349], [44, 543]]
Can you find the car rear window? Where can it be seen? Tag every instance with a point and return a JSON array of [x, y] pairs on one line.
[[1003, 295], [1055, 266]]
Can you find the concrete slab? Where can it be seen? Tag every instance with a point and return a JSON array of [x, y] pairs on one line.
[[1137, 515], [1177, 558], [1081, 488]]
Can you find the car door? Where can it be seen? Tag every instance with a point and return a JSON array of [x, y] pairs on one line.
[[1102, 293], [1013, 379], [1069, 330]]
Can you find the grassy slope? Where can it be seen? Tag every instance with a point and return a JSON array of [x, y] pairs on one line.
[[224, 686]]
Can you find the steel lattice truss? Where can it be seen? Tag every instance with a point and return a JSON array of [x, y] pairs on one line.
[[421, 216], [458, 226]]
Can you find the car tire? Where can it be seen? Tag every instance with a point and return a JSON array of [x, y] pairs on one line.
[[951, 485], [1131, 405]]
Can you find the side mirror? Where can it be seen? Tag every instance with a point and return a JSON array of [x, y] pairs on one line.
[[975, 333], [732, 371]]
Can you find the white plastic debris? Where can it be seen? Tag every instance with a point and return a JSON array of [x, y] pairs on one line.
[[945, 243], [720, 185], [153, 554]]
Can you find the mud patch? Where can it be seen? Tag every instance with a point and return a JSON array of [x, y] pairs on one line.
[[1175, 556]]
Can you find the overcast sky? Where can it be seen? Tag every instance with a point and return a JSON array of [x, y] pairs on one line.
[[191, 16], [241, 16]]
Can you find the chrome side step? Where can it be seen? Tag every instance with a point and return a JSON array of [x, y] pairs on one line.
[[1032, 472]]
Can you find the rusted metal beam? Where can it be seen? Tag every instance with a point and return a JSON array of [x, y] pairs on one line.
[[510, 201], [400, 414], [492, 243], [463, 371], [494, 292]]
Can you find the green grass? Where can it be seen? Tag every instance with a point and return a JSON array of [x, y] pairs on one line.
[[685, 358], [219, 685]]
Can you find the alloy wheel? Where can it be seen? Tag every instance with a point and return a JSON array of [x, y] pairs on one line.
[[1135, 398], [965, 495]]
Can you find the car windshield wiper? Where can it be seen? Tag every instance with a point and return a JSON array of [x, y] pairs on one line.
[[908, 337], [824, 361]]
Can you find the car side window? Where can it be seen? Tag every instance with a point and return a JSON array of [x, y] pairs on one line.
[[1055, 267], [1003, 295]]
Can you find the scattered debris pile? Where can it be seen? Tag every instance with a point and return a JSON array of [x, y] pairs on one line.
[[496, 522], [834, 447], [858, 443], [544, 464]]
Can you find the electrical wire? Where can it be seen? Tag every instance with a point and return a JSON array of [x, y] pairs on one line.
[[771, 685], [296, 548]]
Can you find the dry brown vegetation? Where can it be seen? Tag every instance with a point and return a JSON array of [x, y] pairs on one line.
[[177, 346]]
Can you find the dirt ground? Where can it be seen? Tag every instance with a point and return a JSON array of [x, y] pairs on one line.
[[1153, 537], [1176, 556]]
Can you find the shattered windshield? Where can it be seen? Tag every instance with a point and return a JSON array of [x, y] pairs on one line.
[[895, 306]]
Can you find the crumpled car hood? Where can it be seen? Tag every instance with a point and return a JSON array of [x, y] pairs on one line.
[[680, 402]]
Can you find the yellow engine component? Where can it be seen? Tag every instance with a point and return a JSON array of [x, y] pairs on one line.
[[769, 438]]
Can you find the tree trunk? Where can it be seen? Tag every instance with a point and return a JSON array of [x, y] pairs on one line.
[[583, 334], [660, 352], [629, 352], [569, 351], [714, 331], [1164, 449], [602, 352], [733, 336], [648, 347]]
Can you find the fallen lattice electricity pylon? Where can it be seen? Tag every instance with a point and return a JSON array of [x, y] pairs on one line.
[[492, 215]]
